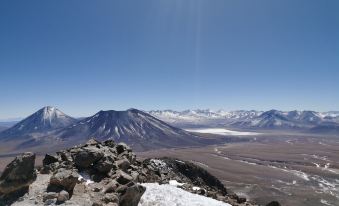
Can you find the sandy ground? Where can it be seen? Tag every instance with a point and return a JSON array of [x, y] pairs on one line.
[[293, 170]]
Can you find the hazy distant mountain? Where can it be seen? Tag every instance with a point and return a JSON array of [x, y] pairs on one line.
[[272, 119], [201, 117], [326, 128], [134, 127], [44, 120]]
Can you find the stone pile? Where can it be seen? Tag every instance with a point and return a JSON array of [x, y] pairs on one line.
[[107, 170]]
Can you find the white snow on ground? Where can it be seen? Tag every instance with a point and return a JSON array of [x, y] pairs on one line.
[[167, 195], [222, 131], [85, 177], [175, 183]]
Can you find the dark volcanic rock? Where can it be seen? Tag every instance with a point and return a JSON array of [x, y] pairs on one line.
[[87, 156], [17, 176], [105, 164], [49, 159], [122, 147], [63, 179], [132, 195], [273, 203]]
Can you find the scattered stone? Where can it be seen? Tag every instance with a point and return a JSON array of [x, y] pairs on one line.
[[63, 196]]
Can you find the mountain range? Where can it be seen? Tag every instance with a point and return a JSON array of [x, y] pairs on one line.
[[154, 129], [272, 119], [50, 126]]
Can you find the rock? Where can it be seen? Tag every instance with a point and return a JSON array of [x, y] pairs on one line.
[[220, 198], [123, 178], [241, 200], [65, 156], [97, 204], [132, 195], [63, 196], [50, 202], [122, 147], [110, 197], [49, 196], [63, 179], [49, 159], [123, 164], [17, 176], [92, 141], [87, 156], [109, 143], [122, 189], [273, 203], [104, 165], [111, 187], [135, 175]]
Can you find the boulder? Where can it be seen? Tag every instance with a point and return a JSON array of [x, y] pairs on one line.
[[132, 195], [104, 165], [273, 203], [63, 179], [87, 156], [123, 178], [123, 164], [17, 176], [49, 159], [122, 147]]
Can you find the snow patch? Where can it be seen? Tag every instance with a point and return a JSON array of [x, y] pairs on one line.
[[167, 195], [83, 176], [175, 183]]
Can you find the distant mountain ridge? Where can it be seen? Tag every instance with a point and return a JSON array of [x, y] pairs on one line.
[[271, 119]]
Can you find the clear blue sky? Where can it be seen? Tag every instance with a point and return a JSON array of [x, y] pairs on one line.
[[83, 56]]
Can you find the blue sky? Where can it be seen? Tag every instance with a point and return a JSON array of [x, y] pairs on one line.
[[84, 56]]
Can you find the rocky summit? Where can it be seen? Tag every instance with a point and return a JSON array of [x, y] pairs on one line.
[[102, 173]]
